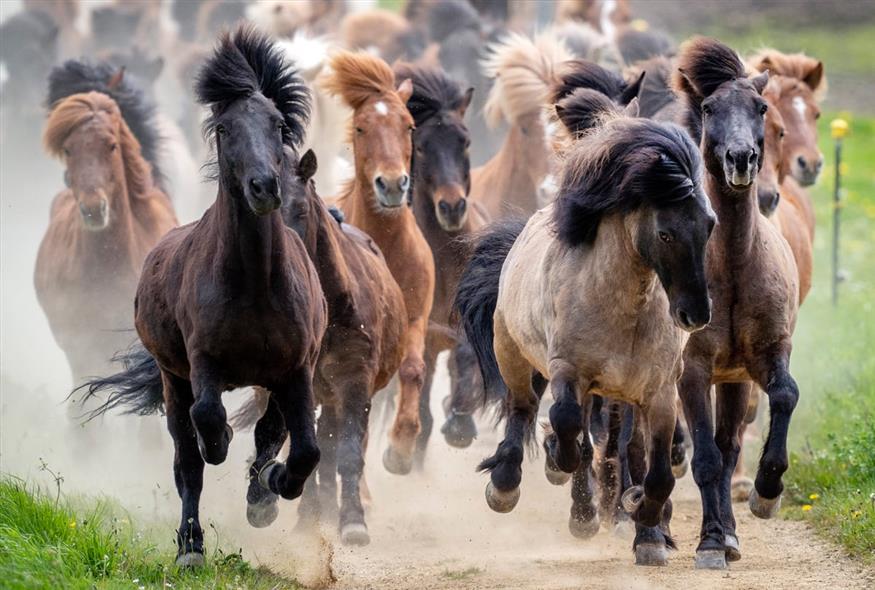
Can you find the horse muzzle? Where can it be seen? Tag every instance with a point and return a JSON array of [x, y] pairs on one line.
[[95, 217], [263, 194], [391, 192]]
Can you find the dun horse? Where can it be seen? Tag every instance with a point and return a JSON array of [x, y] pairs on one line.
[[361, 350], [376, 202], [519, 178], [754, 286], [232, 300], [107, 219], [441, 173], [618, 257]]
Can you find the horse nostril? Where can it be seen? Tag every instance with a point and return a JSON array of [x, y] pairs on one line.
[[104, 205], [801, 161], [380, 183], [819, 165], [729, 157], [256, 187], [83, 210], [444, 207], [461, 206], [752, 157], [404, 182], [684, 318]]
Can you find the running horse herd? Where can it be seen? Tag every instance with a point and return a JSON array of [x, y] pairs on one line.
[[639, 243]]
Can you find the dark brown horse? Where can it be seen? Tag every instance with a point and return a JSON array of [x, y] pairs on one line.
[[232, 300], [362, 349], [441, 182], [376, 202], [754, 287], [102, 226]]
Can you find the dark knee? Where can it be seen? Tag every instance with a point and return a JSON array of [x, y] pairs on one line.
[[412, 371], [783, 395], [707, 465], [566, 419]]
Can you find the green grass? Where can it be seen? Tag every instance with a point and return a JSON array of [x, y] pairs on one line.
[[831, 481], [51, 542]]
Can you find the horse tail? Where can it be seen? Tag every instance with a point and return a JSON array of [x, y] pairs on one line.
[[137, 389], [251, 410], [477, 298]]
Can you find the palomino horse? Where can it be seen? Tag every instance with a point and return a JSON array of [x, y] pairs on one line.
[[800, 109], [362, 349], [110, 216], [441, 173], [519, 179], [754, 285], [233, 299], [619, 257], [376, 202]]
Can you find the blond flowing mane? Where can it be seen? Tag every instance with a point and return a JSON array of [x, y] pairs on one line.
[[524, 70], [75, 110], [359, 77], [793, 65]]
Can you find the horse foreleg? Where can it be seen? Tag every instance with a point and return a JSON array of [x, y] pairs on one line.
[[610, 476], [731, 407], [584, 520], [775, 379], [270, 434], [208, 414], [426, 420], [398, 458], [188, 469], [295, 401], [566, 419], [355, 406], [651, 510], [460, 430], [695, 392], [741, 483]]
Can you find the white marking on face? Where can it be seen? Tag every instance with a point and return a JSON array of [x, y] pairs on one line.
[[800, 106], [381, 108]]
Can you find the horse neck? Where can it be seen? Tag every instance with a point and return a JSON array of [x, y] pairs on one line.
[[327, 252], [620, 269], [511, 163], [251, 247], [737, 213]]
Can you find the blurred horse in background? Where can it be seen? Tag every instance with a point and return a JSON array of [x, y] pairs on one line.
[[109, 217]]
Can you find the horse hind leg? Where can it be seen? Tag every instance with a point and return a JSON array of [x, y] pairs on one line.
[[505, 466], [584, 520], [609, 469], [188, 469], [426, 420], [398, 458], [270, 434], [351, 462], [731, 401], [741, 483], [296, 403], [460, 430]]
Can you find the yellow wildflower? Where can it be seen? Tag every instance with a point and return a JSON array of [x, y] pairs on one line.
[[806, 507], [814, 497]]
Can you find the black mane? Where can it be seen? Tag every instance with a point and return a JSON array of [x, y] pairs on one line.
[[245, 62], [624, 165], [584, 109], [433, 91], [581, 73], [79, 76]]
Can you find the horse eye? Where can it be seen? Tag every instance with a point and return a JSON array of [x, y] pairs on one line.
[[66, 152], [817, 115], [280, 125], [706, 108], [220, 129], [665, 237], [359, 130], [763, 109], [112, 147], [781, 135]]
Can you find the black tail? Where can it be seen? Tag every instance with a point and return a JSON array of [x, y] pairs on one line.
[[477, 298], [137, 389]]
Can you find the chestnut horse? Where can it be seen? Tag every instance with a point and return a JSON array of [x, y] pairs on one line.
[[754, 287], [111, 215], [619, 257], [361, 350], [375, 201], [233, 299], [441, 181], [519, 178]]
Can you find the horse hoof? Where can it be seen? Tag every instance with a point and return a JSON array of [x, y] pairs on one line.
[[654, 554], [733, 552], [263, 513], [763, 507], [264, 474], [681, 468], [741, 489], [710, 559], [192, 559], [459, 431], [625, 529], [584, 529], [555, 476], [499, 501], [395, 463], [355, 534], [632, 498]]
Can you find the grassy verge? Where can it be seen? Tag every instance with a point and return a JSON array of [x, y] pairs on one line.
[[831, 482], [51, 542]]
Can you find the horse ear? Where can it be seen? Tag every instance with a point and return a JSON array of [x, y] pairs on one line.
[[405, 90], [632, 109], [307, 166], [631, 91], [116, 79], [760, 81], [466, 101], [687, 85], [814, 78]]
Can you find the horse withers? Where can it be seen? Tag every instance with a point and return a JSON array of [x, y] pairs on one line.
[[233, 299]]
